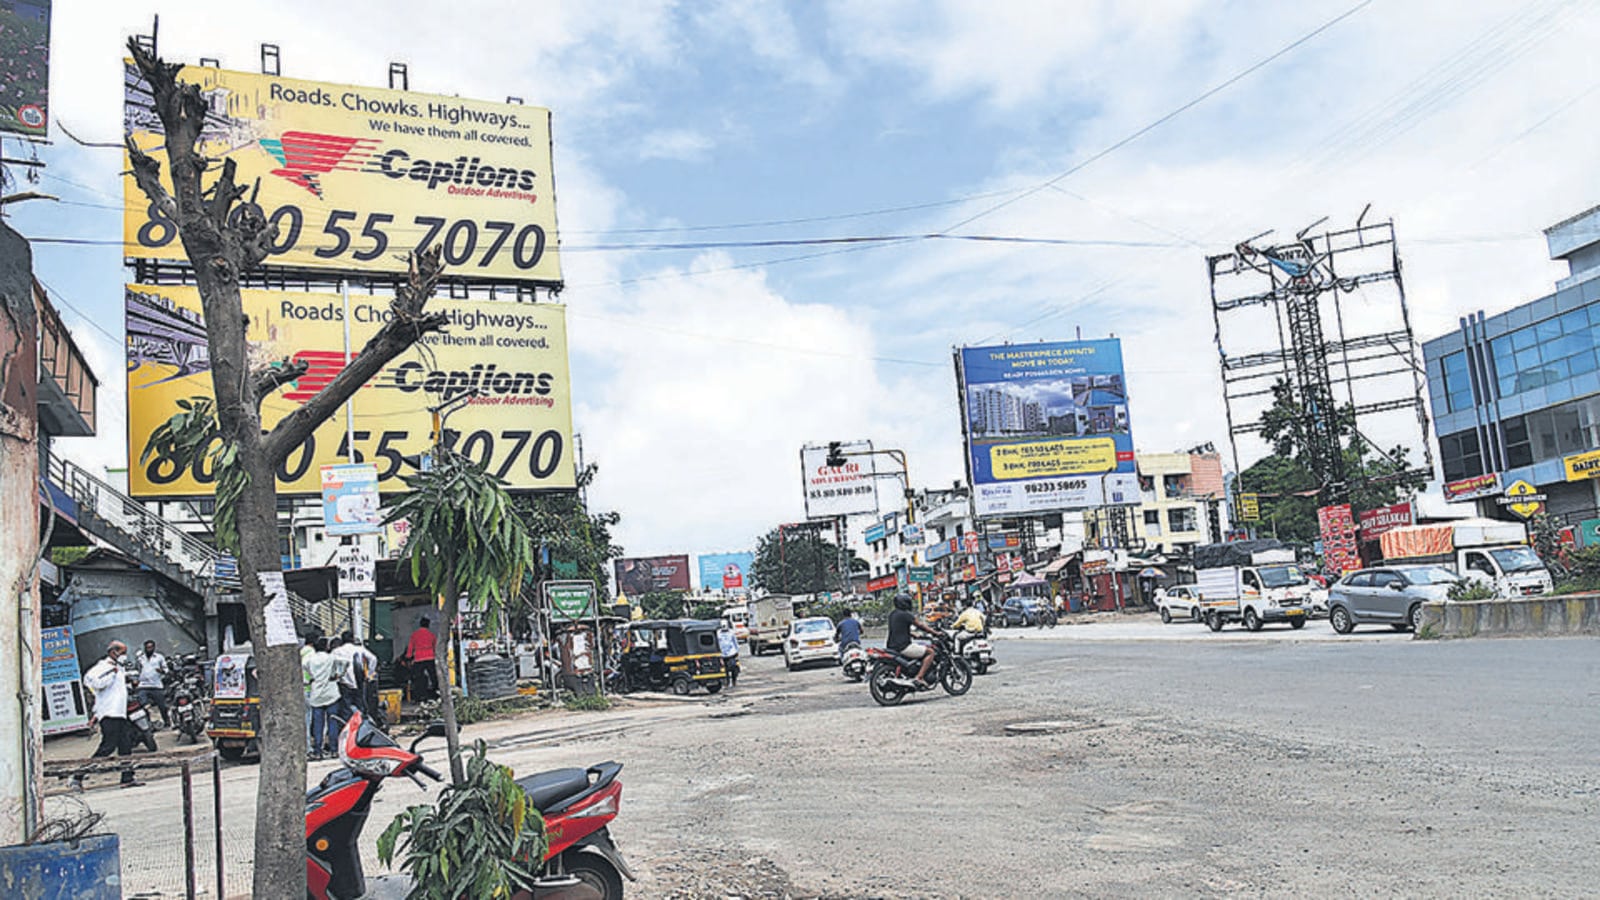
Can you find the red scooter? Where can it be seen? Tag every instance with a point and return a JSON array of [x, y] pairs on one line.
[[581, 862]]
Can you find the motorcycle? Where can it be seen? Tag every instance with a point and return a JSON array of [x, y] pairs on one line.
[[894, 676], [186, 699], [139, 717], [581, 862], [977, 651], [853, 660]]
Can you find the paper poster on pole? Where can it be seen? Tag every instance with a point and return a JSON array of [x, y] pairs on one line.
[[280, 618], [65, 707], [357, 570]]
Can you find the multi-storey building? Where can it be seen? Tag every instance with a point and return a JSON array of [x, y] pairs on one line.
[[1516, 396]]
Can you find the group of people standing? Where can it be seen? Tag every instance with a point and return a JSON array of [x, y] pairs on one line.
[[340, 678]]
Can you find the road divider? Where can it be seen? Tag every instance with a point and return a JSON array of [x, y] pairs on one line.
[[1520, 616]]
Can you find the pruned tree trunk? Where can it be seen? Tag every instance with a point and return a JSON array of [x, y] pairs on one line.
[[222, 244], [447, 696]]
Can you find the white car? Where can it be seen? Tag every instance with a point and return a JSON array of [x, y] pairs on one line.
[[808, 641], [1179, 602]]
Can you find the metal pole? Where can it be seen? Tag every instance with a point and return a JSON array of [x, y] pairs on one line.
[[216, 816], [349, 404], [188, 832]]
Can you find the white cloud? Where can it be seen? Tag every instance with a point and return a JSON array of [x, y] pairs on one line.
[[680, 144]]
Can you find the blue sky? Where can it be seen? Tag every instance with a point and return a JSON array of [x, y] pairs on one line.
[[699, 374]]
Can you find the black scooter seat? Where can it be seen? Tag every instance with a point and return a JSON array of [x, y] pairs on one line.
[[548, 789]]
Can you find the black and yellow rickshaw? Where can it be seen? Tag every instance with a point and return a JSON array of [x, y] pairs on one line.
[[674, 654], [234, 725]]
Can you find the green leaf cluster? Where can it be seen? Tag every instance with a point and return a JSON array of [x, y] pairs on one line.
[[796, 561], [561, 522], [465, 535], [193, 435], [483, 839]]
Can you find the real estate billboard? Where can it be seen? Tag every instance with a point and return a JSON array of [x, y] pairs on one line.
[[843, 490], [514, 355], [25, 67], [652, 574], [725, 571], [357, 177], [1046, 426]]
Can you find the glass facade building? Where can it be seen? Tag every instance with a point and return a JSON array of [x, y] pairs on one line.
[[1516, 393]]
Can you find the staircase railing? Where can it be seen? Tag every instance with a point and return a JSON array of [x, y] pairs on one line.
[[132, 528]]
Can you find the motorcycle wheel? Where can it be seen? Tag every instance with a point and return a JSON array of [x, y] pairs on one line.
[[884, 692], [854, 672], [957, 678], [596, 877], [150, 741]]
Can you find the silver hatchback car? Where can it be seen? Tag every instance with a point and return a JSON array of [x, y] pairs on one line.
[[1391, 595]]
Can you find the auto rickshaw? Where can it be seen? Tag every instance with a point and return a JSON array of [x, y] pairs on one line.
[[234, 723], [675, 654]]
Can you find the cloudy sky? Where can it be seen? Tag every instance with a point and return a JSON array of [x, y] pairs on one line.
[[699, 373]]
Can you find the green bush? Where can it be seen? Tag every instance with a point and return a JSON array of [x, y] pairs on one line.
[[1470, 589], [476, 709], [483, 839], [588, 703]]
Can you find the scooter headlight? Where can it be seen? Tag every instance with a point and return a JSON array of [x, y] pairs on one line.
[[362, 761]]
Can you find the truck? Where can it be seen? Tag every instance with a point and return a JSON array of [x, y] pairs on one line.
[[769, 618], [1252, 583], [1483, 550]]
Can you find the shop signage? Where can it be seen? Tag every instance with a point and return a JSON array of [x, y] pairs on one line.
[[1004, 542], [969, 542], [1582, 466], [1338, 530], [65, 706], [939, 550], [1250, 507], [1375, 522], [1523, 498], [882, 583], [1589, 533], [912, 533], [1472, 488], [875, 533], [350, 499], [969, 573], [357, 570]]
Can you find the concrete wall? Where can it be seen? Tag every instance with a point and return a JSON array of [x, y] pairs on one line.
[[1524, 616]]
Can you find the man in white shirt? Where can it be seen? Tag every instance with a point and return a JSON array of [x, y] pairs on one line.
[[324, 670], [152, 690], [361, 666], [110, 686]]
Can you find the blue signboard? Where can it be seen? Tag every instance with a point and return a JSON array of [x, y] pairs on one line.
[[939, 550], [1045, 425], [65, 706], [350, 499], [726, 571], [874, 533]]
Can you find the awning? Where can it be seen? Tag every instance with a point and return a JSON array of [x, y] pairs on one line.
[[1151, 572], [1057, 564]]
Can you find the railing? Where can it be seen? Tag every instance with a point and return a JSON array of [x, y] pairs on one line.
[[135, 528]]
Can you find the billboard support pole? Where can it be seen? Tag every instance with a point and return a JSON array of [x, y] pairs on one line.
[[350, 402]]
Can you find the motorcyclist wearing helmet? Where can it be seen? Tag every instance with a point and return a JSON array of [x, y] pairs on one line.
[[901, 622]]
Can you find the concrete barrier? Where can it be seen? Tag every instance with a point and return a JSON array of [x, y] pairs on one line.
[[1520, 616]]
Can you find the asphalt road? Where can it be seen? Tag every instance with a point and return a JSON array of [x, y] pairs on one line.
[[1183, 763]]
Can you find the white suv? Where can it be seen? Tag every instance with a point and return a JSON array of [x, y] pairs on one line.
[[1179, 602]]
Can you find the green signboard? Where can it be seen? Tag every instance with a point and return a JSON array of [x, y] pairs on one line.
[[921, 574], [564, 568], [570, 601], [1589, 533]]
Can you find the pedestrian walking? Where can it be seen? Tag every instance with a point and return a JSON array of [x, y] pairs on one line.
[[324, 670], [110, 685], [729, 643], [419, 656], [152, 689], [308, 646]]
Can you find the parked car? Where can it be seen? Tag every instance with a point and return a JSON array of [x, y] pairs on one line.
[[810, 640], [1018, 611], [1179, 602], [1391, 595]]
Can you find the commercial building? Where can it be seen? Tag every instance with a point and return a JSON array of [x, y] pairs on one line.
[[1516, 396]]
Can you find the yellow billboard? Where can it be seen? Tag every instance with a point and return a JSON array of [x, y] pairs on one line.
[[356, 178], [511, 356]]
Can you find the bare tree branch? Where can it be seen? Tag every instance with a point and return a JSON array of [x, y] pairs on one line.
[[269, 378], [147, 175], [405, 328]]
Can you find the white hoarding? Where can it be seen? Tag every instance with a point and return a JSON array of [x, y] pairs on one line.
[[845, 490], [357, 575]]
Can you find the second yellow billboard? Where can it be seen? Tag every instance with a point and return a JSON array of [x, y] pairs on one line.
[[511, 356]]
